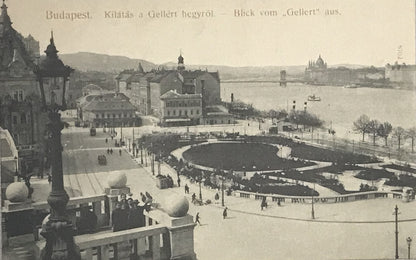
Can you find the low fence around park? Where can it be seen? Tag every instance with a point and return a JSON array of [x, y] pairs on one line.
[[332, 199]]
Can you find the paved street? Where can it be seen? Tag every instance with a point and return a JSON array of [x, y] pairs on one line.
[[355, 230]]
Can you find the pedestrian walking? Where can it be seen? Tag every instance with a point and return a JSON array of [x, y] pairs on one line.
[[193, 197], [179, 182], [108, 151], [217, 196], [119, 151], [112, 137], [224, 213], [143, 197], [49, 178], [149, 198], [197, 219], [186, 189], [106, 140]]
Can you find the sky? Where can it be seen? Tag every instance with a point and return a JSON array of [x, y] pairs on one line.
[[367, 32]]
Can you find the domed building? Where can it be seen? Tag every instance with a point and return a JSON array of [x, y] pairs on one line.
[[318, 73], [315, 73]]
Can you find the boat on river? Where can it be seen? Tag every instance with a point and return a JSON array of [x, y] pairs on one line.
[[351, 86], [314, 98]]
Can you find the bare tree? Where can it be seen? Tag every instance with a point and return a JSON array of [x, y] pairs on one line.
[[361, 125], [384, 131], [411, 133], [373, 126], [399, 133]]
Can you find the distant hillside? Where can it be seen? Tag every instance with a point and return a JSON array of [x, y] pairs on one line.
[[86, 61]]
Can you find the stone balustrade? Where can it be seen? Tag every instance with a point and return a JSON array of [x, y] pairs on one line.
[[328, 199]]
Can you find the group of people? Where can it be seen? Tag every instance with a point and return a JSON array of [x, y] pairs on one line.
[[110, 151], [129, 213]]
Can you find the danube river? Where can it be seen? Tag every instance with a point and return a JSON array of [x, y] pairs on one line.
[[338, 106]]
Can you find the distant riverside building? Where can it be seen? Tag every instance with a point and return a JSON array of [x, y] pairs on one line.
[[107, 110], [401, 75], [20, 111], [146, 89], [318, 73]]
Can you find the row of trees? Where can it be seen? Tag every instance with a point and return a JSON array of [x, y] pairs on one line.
[[304, 118], [374, 128]]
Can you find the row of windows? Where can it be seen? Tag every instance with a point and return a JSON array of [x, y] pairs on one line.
[[185, 112], [113, 115], [188, 103], [23, 119], [18, 95]]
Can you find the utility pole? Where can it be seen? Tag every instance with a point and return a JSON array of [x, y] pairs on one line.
[[222, 188], [200, 190], [313, 210], [396, 213]]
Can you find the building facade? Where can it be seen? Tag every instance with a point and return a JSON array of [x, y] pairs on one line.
[[20, 111], [107, 110], [180, 109], [146, 89], [401, 75]]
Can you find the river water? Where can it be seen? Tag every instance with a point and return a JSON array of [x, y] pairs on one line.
[[339, 106]]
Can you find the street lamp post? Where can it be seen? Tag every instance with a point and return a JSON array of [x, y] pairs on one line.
[[200, 181], [409, 242], [58, 231], [313, 209], [222, 187], [141, 153], [16, 173]]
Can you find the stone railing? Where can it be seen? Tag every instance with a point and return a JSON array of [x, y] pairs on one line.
[[163, 237], [328, 199]]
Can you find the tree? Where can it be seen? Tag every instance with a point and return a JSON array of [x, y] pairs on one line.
[[361, 125], [384, 131], [399, 133], [373, 126], [305, 118], [411, 133]]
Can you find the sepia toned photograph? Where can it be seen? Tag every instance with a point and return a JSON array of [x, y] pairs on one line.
[[199, 130]]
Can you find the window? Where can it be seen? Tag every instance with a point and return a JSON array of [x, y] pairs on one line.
[[97, 115], [20, 95], [192, 112], [186, 112], [102, 115], [114, 115], [168, 112], [15, 120], [16, 95], [119, 115], [23, 118], [197, 111], [174, 112], [180, 112]]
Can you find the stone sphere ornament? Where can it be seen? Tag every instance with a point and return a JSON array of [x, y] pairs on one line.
[[117, 180], [176, 206], [17, 192]]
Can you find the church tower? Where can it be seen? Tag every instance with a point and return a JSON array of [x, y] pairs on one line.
[[181, 65]]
